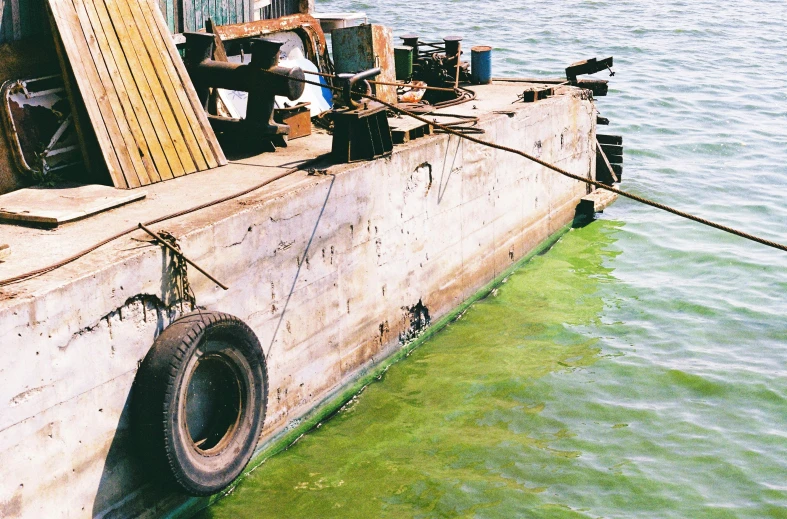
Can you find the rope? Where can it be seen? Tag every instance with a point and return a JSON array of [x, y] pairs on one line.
[[71, 259], [565, 173], [446, 129]]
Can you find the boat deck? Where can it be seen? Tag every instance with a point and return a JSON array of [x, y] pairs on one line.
[[32, 248]]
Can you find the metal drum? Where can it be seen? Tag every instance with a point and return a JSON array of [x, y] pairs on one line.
[[481, 65], [403, 58]]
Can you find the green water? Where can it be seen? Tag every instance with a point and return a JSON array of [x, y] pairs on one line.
[[518, 409], [639, 367]]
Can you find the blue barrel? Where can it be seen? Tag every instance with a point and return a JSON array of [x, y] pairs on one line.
[[481, 65]]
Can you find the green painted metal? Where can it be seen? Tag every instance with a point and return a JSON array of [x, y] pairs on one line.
[[190, 15], [403, 57], [22, 19]]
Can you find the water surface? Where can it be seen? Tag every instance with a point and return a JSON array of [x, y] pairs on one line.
[[638, 368]]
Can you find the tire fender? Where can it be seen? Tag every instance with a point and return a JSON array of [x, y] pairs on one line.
[[199, 401]]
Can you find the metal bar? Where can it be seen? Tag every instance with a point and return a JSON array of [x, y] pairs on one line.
[[606, 161], [58, 134], [58, 151], [179, 253]]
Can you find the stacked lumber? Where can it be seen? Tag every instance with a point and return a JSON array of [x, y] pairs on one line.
[[119, 58]]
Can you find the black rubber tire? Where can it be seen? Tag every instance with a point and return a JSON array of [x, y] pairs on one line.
[[205, 372]]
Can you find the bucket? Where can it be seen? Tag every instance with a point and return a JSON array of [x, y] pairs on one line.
[[403, 59], [481, 65]]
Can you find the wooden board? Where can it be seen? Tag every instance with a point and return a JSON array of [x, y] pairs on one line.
[[406, 129], [52, 207], [137, 94]]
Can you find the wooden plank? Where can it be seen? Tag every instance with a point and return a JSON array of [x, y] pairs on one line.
[[603, 155], [197, 12], [25, 9], [52, 207], [188, 95], [609, 139], [81, 119], [93, 93], [90, 98], [170, 17], [158, 40], [146, 93], [219, 53], [152, 127], [172, 89], [130, 133], [132, 44], [138, 96], [187, 10], [152, 156], [6, 33]]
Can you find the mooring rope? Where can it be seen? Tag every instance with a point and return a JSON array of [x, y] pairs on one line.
[[446, 129], [600, 185], [85, 252]]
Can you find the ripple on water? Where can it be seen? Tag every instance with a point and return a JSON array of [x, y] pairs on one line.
[[639, 368]]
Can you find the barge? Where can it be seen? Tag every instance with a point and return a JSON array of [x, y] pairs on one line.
[[157, 336]]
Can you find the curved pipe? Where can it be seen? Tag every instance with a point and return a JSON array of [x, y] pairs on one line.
[[352, 79]]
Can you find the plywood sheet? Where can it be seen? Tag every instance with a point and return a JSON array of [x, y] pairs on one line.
[[137, 94], [55, 206]]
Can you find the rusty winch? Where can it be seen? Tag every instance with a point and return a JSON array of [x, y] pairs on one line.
[[438, 64], [361, 130], [262, 78]]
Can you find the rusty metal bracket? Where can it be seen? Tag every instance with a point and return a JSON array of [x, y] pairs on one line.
[[350, 80], [588, 66], [603, 155], [40, 130]]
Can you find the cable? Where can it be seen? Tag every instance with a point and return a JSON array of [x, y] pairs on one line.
[[444, 128], [595, 183], [385, 83], [565, 173], [463, 94], [71, 259]]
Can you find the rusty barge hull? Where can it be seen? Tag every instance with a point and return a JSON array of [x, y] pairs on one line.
[[324, 265]]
